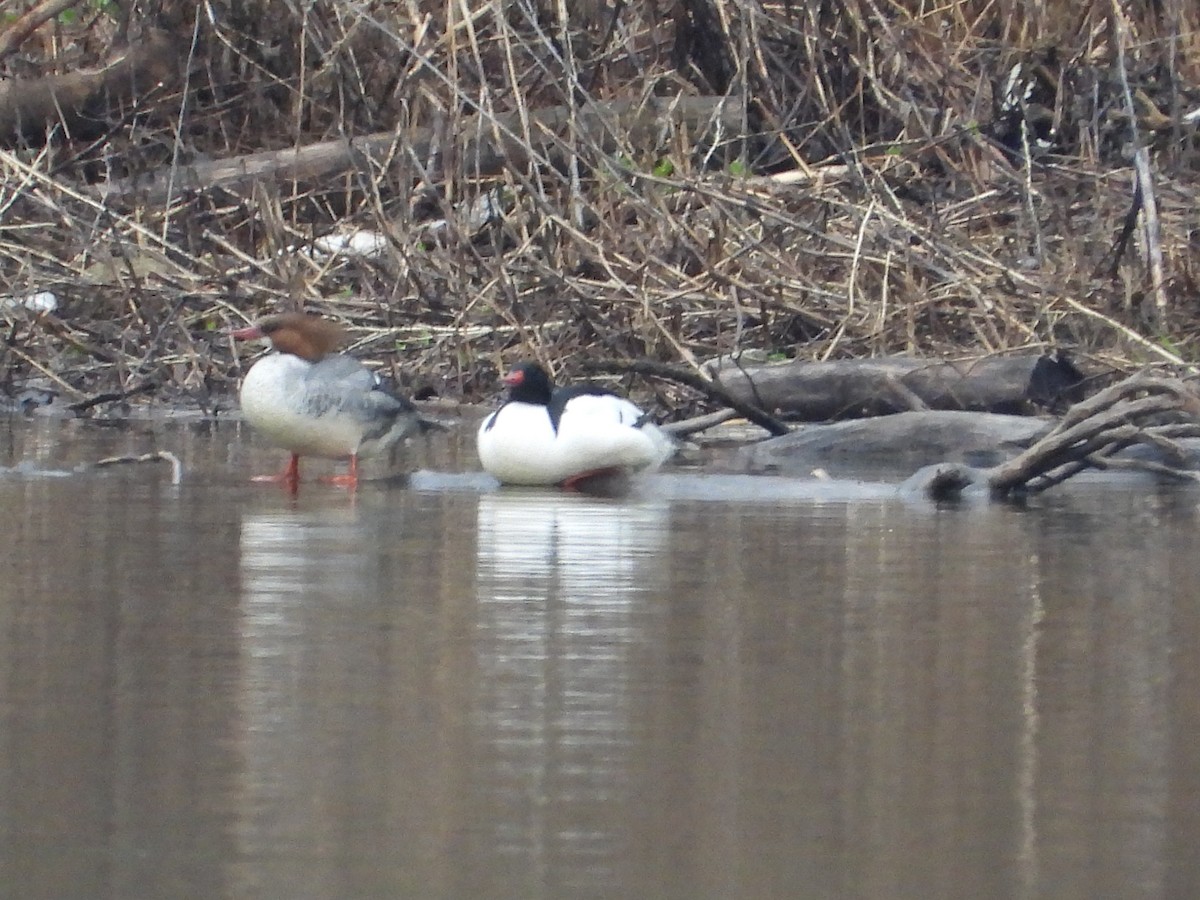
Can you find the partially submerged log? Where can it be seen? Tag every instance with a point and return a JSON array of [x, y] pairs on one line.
[[78, 100], [894, 444], [1145, 423], [846, 389], [489, 145]]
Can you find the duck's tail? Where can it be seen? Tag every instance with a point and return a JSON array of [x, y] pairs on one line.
[[427, 424], [664, 445]]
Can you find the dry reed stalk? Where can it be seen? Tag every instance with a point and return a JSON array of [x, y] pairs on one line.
[[874, 202]]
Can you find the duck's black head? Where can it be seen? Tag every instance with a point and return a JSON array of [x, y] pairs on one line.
[[529, 383]]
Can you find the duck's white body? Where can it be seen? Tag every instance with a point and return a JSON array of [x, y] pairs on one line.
[[313, 402], [596, 432], [333, 408]]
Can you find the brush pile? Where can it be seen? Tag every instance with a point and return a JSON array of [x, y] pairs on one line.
[[665, 181]]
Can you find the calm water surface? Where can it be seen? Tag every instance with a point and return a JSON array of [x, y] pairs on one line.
[[714, 687]]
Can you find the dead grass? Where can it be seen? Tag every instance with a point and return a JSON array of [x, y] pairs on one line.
[[895, 188]]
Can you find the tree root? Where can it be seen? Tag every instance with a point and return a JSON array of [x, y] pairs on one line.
[[1142, 409]]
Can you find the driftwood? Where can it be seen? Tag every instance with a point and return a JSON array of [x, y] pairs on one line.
[[1142, 409], [894, 445], [490, 145], [1145, 423], [1158, 415], [157, 456], [846, 389], [28, 106]]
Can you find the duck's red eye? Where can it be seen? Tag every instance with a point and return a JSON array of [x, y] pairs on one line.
[[512, 379]]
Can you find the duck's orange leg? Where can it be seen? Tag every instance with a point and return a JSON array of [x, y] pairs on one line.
[[348, 480], [289, 476]]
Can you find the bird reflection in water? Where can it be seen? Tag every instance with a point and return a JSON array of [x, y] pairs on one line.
[[566, 588]]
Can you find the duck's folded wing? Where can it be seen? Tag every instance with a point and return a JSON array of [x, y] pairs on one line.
[[343, 384], [597, 406]]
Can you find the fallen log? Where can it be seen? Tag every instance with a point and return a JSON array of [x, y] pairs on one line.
[[79, 100], [490, 145], [1145, 424], [848, 389], [894, 445]]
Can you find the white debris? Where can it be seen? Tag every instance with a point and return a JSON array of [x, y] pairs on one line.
[[362, 243], [485, 209], [735, 361], [37, 302]]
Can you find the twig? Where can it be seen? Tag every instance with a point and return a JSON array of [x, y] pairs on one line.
[[1149, 465], [113, 396], [1128, 225], [698, 423], [1030, 194], [905, 395], [1144, 179], [710, 389], [157, 456], [17, 33], [30, 361]]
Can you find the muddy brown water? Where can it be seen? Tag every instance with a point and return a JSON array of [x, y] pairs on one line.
[[715, 687]]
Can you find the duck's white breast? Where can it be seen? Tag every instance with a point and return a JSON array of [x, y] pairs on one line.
[[273, 400]]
